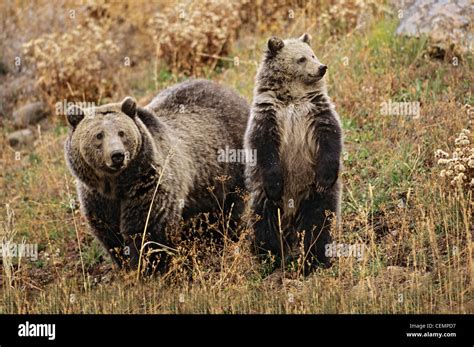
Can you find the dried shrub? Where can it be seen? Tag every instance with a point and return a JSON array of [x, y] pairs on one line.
[[127, 20], [333, 17], [458, 167], [76, 65], [267, 16], [190, 36], [341, 16]]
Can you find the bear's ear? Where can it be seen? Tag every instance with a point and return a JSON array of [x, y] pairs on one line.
[[306, 38], [74, 115], [129, 106], [275, 44]]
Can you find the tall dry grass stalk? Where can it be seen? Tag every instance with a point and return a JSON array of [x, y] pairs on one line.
[[143, 243], [76, 229], [7, 234]]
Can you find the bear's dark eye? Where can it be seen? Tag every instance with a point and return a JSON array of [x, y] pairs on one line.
[[313, 56], [121, 133], [301, 60], [99, 136]]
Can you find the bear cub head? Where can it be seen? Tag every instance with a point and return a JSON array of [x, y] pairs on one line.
[[293, 59], [106, 137]]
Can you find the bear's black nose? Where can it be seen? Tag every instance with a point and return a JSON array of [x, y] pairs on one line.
[[322, 69], [117, 157]]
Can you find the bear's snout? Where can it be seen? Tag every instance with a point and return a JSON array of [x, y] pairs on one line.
[[117, 157], [322, 70]]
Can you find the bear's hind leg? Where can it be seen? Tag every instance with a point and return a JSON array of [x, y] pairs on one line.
[[267, 236], [315, 220]]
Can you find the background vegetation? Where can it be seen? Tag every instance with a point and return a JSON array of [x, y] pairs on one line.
[[397, 200]]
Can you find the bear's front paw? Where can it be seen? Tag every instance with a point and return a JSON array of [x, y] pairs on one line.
[[326, 175], [273, 184]]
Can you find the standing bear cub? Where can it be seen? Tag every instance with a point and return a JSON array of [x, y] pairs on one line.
[[295, 186], [149, 168]]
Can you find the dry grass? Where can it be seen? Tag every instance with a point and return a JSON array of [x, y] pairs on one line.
[[416, 227], [57, 58], [189, 35]]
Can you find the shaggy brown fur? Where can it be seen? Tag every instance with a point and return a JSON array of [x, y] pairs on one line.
[[298, 138], [119, 153]]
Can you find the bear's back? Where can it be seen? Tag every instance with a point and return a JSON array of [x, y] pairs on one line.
[[197, 107], [194, 96]]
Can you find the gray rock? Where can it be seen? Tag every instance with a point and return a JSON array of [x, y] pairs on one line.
[[14, 89], [30, 114], [20, 138], [445, 22], [3, 68]]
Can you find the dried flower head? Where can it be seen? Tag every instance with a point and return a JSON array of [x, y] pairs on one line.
[[459, 168]]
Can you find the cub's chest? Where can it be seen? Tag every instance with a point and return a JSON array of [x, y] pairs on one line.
[[297, 151], [297, 144]]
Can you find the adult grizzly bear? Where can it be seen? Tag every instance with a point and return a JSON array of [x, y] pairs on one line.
[[151, 167], [298, 138]]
